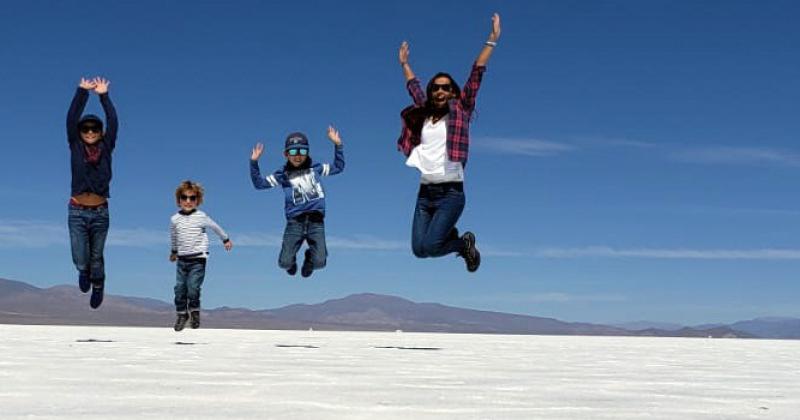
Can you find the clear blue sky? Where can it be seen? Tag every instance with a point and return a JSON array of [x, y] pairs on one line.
[[631, 159]]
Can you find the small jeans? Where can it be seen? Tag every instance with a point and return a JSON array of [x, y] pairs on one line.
[[309, 228], [88, 229], [438, 208], [188, 281]]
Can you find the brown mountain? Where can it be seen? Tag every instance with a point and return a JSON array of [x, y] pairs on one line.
[[21, 303]]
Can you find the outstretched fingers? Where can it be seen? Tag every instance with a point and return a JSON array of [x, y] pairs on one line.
[[86, 84], [257, 151], [403, 54], [495, 28], [333, 134]]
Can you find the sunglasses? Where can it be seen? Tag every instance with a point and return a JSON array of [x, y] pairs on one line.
[[90, 129], [447, 88], [191, 198], [295, 152]]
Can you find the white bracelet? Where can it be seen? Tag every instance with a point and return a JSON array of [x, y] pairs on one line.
[[491, 43]]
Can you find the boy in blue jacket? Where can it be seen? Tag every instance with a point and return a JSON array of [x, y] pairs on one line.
[[301, 181]]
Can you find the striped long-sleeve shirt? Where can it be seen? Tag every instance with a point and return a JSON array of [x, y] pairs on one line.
[[188, 234]]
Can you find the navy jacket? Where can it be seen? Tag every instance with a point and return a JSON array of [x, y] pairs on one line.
[[302, 188], [89, 177]]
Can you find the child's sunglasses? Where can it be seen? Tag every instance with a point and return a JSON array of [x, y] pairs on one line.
[[191, 198], [295, 152], [90, 129]]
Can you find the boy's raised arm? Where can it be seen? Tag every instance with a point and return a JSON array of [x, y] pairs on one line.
[[338, 156]]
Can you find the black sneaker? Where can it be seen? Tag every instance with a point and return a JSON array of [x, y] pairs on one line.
[[471, 255], [180, 323], [97, 296], [308, 265], [83, 281], [195, 320], [292, 270]]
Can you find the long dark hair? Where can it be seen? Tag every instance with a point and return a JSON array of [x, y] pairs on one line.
[[291, 168]]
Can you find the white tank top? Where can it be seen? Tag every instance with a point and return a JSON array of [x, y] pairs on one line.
[[430, 156]]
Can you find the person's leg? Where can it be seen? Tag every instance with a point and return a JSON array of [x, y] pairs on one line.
[[439, 240], [79, 242], [422, 220], [194, 282], [181, 292], [292, 239], [317, 250], [98, 231]]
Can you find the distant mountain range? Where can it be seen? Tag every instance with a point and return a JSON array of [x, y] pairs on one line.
[[21, 303]]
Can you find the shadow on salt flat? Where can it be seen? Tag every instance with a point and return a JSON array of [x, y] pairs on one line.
[[301, 346], [93, 340], [187, 343], [408, 348]]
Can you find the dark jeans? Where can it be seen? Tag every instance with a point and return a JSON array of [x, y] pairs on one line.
[[188, 280], [88, 229], [438, 208], [308, 227]]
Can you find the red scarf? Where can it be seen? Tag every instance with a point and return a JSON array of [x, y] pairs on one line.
[[92, 153]]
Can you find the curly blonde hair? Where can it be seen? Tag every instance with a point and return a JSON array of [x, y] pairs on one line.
[[189, 186]]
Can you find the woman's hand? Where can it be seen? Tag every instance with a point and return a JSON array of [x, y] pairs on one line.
[[403, 55], [495, 35], [86, 84]]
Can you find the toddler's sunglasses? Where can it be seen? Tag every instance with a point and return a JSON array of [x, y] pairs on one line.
[[295, 152], [191, 198]]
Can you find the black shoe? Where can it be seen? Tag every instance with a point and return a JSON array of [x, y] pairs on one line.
[[83, 281], [97, 296], [308, 265], [195, 320], [471, 255], [180, 323], [292, 270]]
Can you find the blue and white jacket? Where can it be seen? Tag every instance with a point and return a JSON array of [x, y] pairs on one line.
[[302, 188]]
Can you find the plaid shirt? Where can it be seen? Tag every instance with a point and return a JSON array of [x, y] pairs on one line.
[[457, 123]]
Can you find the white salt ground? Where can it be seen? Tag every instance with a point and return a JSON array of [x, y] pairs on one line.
[[57, 372]]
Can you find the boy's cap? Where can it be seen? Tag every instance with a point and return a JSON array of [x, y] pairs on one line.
[[90, 119], [296, 141]]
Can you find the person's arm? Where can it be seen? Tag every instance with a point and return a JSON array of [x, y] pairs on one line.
[[470, 90], [226, 240], [412, 83], [338, 157], [173, 240], [76, 108], [260, 182], [110, 135]]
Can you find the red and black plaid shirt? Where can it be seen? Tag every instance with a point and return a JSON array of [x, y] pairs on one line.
[[457, 123]]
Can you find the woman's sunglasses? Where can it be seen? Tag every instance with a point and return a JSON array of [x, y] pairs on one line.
[[295, 152], [90, 129], [191, 198], [447, 88]]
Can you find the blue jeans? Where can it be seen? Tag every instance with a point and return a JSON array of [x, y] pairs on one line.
[[306, 227], [438, 208], [188, 280], [88, 229]]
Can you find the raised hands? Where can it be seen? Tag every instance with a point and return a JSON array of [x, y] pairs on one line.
[[333, 134], [495, 35], [257, 151], [101, 85], [98, 84]]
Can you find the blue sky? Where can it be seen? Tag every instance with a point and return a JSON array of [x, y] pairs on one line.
[[631, 159]]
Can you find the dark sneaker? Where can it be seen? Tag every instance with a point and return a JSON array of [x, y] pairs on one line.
[[195, 320], [292, 270], [308, 265], [83, 281], [97, 296], [180, 323], [471, 255]]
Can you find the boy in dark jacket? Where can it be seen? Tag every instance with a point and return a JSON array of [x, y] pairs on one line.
[[304, 199]]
